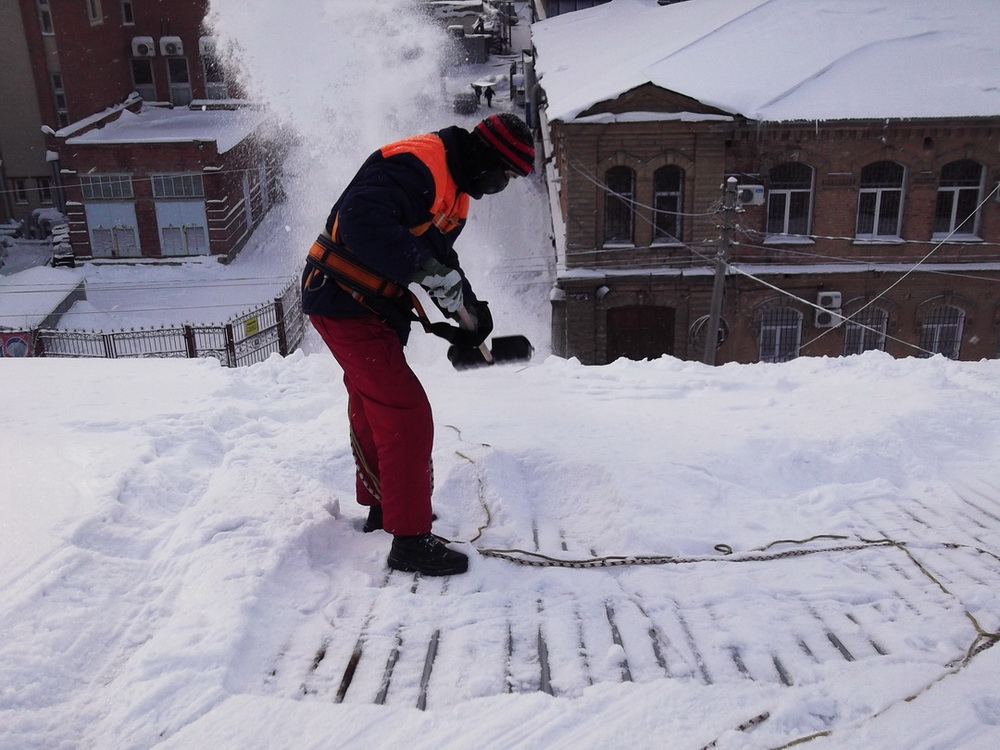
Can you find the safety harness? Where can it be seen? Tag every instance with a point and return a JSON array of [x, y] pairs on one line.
[[337, 263]]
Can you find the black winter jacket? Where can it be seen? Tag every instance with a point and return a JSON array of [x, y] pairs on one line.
[[387, 197]]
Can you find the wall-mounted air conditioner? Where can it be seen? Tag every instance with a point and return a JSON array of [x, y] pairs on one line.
[[143, 46], [750, 195], [828, 310], [171, 46]]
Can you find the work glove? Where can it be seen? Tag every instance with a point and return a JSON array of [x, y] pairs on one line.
[[482, 321], [442, 283], [479, 313]]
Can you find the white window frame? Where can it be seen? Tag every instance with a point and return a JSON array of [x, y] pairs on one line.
[[107, 186], [180, 90], [881, 193], [955, 194], [787, 196], [168, 185]]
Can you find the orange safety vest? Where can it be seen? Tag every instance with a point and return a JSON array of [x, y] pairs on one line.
[[450, 207]]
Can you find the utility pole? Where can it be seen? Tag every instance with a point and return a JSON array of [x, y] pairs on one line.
[[721, 263]]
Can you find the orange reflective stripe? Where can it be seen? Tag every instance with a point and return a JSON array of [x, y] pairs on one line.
[[335, 261], [450, 206]]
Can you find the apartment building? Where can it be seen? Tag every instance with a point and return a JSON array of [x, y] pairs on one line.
[[119, 114]]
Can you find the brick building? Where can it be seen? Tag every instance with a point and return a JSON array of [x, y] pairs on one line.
[[144, 181], [120, 115], [875, 224]]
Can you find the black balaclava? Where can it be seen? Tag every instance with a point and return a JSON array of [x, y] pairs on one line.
[[479, 170]]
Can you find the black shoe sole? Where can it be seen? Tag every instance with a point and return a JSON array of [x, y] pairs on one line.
[[451, 570]]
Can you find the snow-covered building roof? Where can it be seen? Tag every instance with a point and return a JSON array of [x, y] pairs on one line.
[[37, 297], [780, 60], [226, 127]]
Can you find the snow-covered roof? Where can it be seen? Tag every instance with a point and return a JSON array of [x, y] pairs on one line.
[[224, 127], [29, 298], [780, 60]]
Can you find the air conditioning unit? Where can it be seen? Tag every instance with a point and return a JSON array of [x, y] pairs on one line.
[[750, 195], [143, 46], [828, 310], [171, 46]]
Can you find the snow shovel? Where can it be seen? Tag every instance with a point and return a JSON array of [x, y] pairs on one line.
[[505, 348]]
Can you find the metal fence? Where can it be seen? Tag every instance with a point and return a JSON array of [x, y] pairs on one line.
[[275, 327]]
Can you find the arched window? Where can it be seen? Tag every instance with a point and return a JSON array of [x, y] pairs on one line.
[[880, 201], [789, 198], [780, 334], [941, 331], [865, 331], [668, 198], [618, 205], [959, 194]]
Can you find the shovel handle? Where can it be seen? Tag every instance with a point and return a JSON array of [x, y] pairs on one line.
[[466, 321]]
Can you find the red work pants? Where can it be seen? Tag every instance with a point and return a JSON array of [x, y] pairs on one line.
[[392, 430]]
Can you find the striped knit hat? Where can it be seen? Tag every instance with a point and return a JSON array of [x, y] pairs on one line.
[[511, 139]]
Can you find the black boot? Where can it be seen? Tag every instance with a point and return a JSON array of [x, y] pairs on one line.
[[374, 520], [426, 554]]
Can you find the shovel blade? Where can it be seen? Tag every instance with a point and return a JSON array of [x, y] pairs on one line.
[[505, 349]]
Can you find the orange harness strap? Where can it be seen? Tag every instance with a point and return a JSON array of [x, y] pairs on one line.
[[340, 264]]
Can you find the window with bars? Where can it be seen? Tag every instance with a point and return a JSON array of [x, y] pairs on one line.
[[941, 331], [178, 186], [619, 197], [789, 198], [865, 331], [880, 201], [668, 199], [106, 186], [958, 197], [780, 334]]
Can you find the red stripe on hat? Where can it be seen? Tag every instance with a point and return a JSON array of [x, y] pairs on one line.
[[505, 140]]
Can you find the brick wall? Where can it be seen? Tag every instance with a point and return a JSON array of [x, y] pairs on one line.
[[709, 151]]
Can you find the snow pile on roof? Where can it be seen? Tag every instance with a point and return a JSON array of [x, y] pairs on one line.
[[224, 127], [780, 59]]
